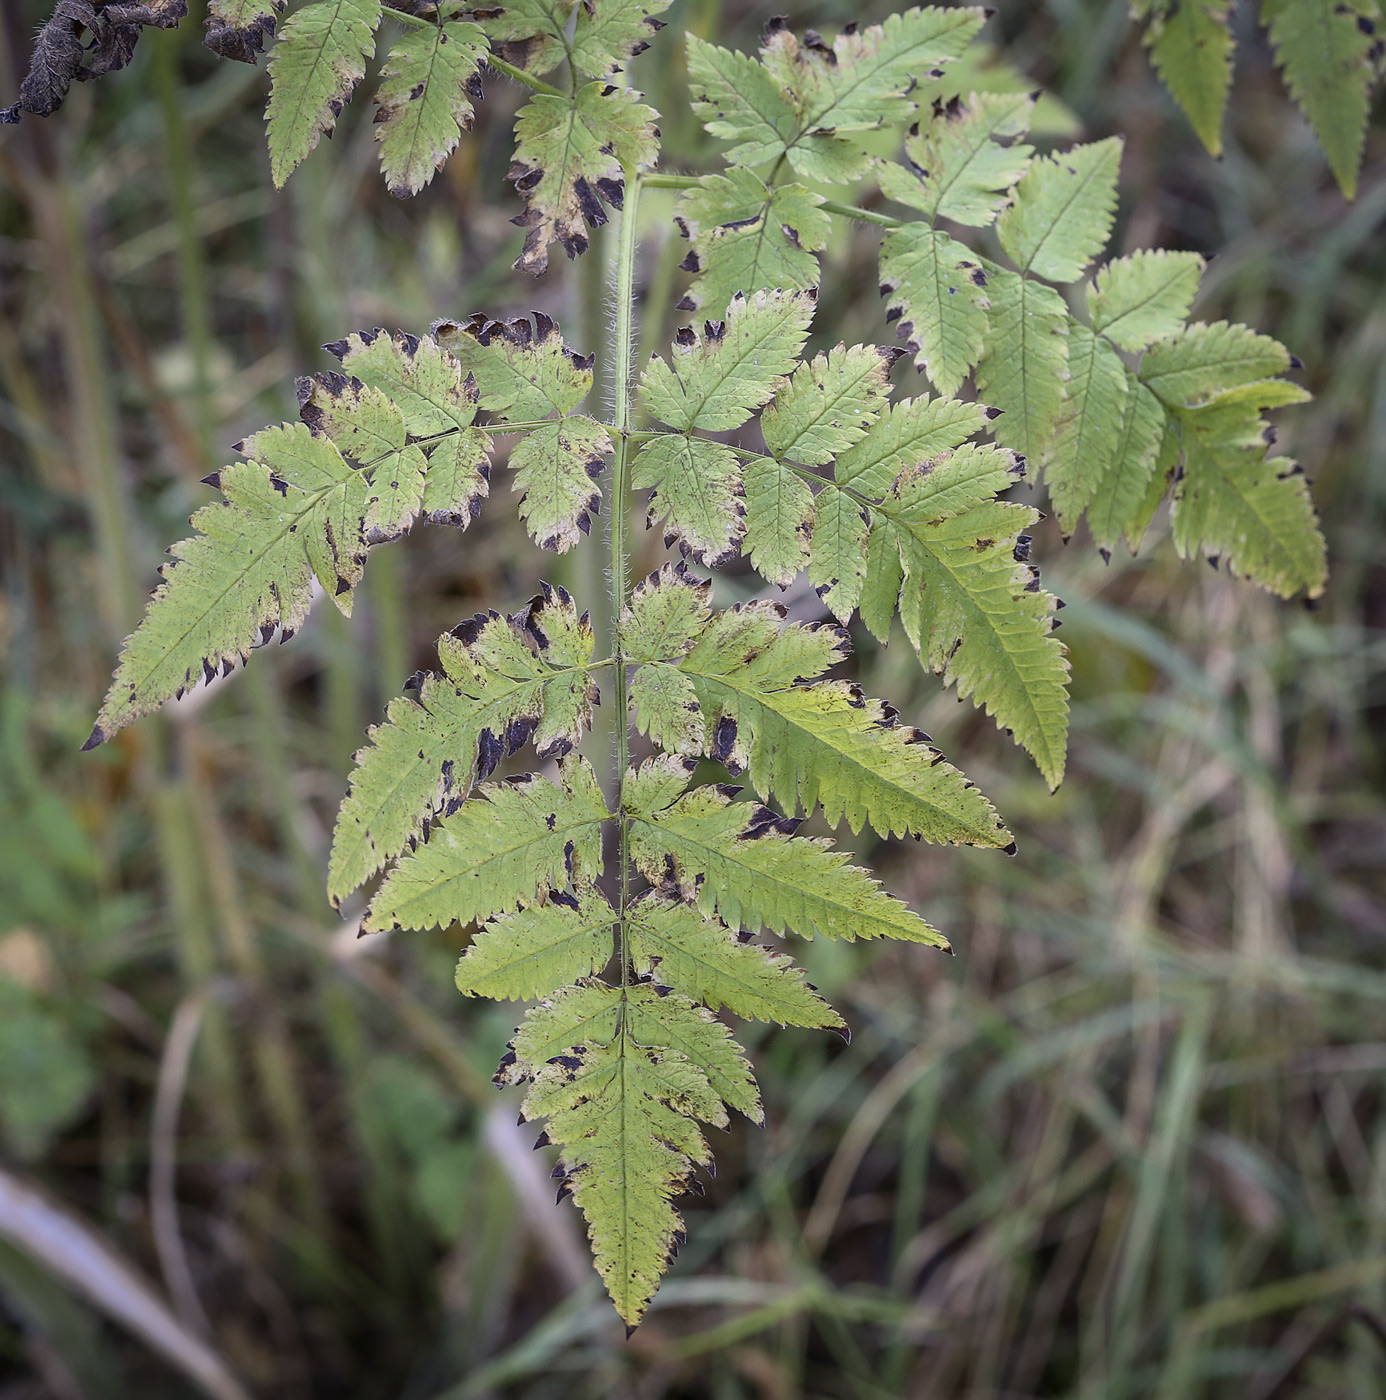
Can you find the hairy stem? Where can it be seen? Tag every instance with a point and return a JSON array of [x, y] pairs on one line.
[[620, 513]]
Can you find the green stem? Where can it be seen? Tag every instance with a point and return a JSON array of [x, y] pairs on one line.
[[501, 66], [862, 216], [620, 564]]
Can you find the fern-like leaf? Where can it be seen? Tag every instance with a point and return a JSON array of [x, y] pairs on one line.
[[1024, 362], [742, 862], [829, 403], [528, 953], [908, 433], [622, 1104], [1137, 300], [505, 682], [1089, 434], [507, 846], [1191, 45], [1203, 361], [1117, 504], [522, 367]]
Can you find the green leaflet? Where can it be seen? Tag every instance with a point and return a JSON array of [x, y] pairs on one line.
[[908, 433], [818, 744], [880, 590], [937, 292], [621, 1106], [966, 169], [523, 370], [1139, 299], [570, 161], [318, 59], [716, 380], [697, 494], [745, 235], [665, 616], [837, 557], [779, 520], [1089, 433], [505, 847], [533, 34], [975, 614], [738, 101], [528, 953], [424, 101], [295, 512], [530, 33], [740, 861], [556, 467], [1204, 360], [608, 32], [702, 958], [1024, 362], [1191, 45], [504, 682], [1324, 49], [1117, 504], [667, 708], [1234, 503], [1062, 211], [829, 403]]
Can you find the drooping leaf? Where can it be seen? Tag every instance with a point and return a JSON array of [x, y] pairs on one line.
[[424, 101], [316, 62], [974, 612], [556, 467], [959, 168], [1062, 211], [621, 1105], [295, 511], [571, 159], [937, 292], [716, 380], [829, 403], [740, 861], [779, 520], [702, 958], [505, 846], [1324, 48], [1137, 300], [1191, 45], [746, 236], [1089, 434], [504, 682], [528, 953], [697, 493], [1025, 362]]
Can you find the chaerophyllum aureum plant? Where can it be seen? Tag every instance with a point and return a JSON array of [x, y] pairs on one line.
[[733, 442]]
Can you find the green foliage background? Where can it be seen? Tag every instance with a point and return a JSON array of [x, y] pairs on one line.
[[1130, 1142]]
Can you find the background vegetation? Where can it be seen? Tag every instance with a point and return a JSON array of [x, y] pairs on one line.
[[1131, 1142]]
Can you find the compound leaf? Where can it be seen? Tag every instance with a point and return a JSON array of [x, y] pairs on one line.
[[531, 951], [716, 380], [318, 59], [507, 845], [504, 682], [1063, 210]]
